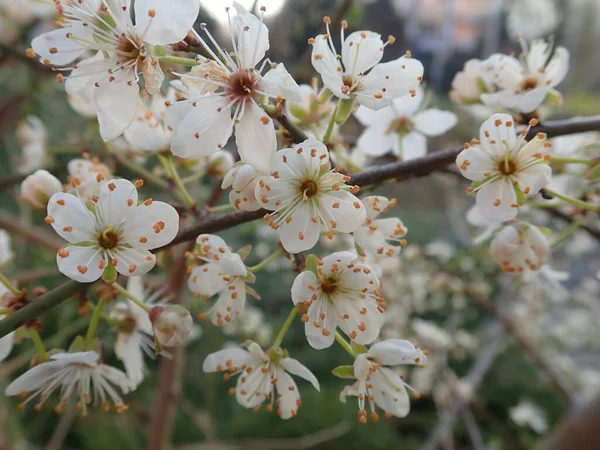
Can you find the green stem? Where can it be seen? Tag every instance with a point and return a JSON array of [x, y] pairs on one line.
[[131, 297], [102, 315], [221, 208], [559, 160], [194, 177], [568, 231], [167, 162], [344, 344], [268, 260], [329, 130], [286, 326], [143, 172], [179, 60], [89, 337], [8, 285], [573, 201], [39, 345]]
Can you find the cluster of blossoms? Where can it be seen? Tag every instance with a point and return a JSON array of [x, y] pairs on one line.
[[302, 181]]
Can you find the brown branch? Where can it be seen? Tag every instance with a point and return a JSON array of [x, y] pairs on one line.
[[561, 215], [378, 174]]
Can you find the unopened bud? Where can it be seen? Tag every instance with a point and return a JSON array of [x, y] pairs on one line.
[[172, 324], [220, 163], [37, 188]]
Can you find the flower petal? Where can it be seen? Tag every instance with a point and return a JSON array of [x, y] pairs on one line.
[[221, 360], [35, 378], [346, 209], [321, 325], [475, 163], [497, 134], [128, 349], [255, 138], [117, 202], [411, 146], [134, 261], [301, 233], [83, 264], [279, 82], [393, 352], [152, 225], [434, 122], [294, 367], [115, 104], [58, 48], [300, 288], [165, 22], [6, 345], [325, 62], [375, 140], [361, 50], [495, 200], [252, 37], [72, 220], [230, 303]]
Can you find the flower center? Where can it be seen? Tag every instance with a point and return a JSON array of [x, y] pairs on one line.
[[242, 84], [108, 239], [330, 285], [402, 125], [126, 49], [351, 84], [507, 167], [127, 325], [529, 83], [309, 188]]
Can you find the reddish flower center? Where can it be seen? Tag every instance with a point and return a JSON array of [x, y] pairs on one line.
[[242, 84]]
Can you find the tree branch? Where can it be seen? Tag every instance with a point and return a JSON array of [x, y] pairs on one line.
[[13, 224]]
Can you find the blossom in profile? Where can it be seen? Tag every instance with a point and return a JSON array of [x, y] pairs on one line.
[[358, 74], [343, 293], [505, 168], [38, 187], [519, 248], [172, 324], [32, 135], [380, 384], [79, 376], [475, 79], [402, 127], [231, 89], [376, 235], [523, 84], [241, 180], [110, 229], [306, 197], [86, 176], [261, 377], [6, 251], [216, 270], [127, 48]]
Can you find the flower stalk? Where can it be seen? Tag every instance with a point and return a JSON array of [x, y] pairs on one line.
[[91, 332], [344, 344], [8, 285], [130, 296], [38, 344], [286, 326], [573, 201], [268, 260]]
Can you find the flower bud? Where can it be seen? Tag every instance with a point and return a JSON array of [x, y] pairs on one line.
[[172, 324], [38, 187], [220, 163]]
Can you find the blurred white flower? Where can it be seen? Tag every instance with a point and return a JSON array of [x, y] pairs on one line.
[[38, 187], [402, 127], [520, 248], [242, 180], [431, 335], [86, 176], [6, 252], [532, 18], [528, 414], [171, 324], [374, 235], [32, 136], [475, 79]]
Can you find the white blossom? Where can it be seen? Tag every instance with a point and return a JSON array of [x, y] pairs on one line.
[[532, 18], [520, 248], [374, 235], [381, 385], [6, 252], [306, 197], [85, 177], [78, 375], [231, 87], [6, 342], [347, 76], [127, 49], [527, 413], [524, 84], [32, 136], [217, 270], [343, 294], [504, 168], [402, 127], [242, 180], [110, 229], [475, 79], [38, 187], [260, 376]]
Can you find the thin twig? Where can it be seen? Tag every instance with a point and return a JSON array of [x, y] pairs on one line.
[[13, 224]]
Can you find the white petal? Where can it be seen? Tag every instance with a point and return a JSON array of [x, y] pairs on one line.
[[497, 134], [251, 390], [376, 140], [128, 349], [370, 322], [229, 305], [393, 352], [81, 259], [383, 116], [88, 358], [433, 122], [134, 261], [6, 345], [288, 394], [176, 113], [413, 145], [207, 280], [474, 163], [558, 66], [56, 47], [279, 82], [361, 50], [35, 378], [252, 38], [314, 333], [205, 129], [145, 227], [349, 212], [395, 400], [392, 80], [302, 233], [300, 289], [488, 196], [117, 203], [296, 368], [534, 178], [170, 21], [325, 62], [218, 361], [115, 104], [375, 205], [74, 214], [255, 138]]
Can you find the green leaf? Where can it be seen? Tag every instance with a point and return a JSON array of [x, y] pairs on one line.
[[78, 345], [358, 348], [345, 372], [244, 251], [252, 292]]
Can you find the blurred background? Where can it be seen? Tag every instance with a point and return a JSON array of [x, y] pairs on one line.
[[508, 360]]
